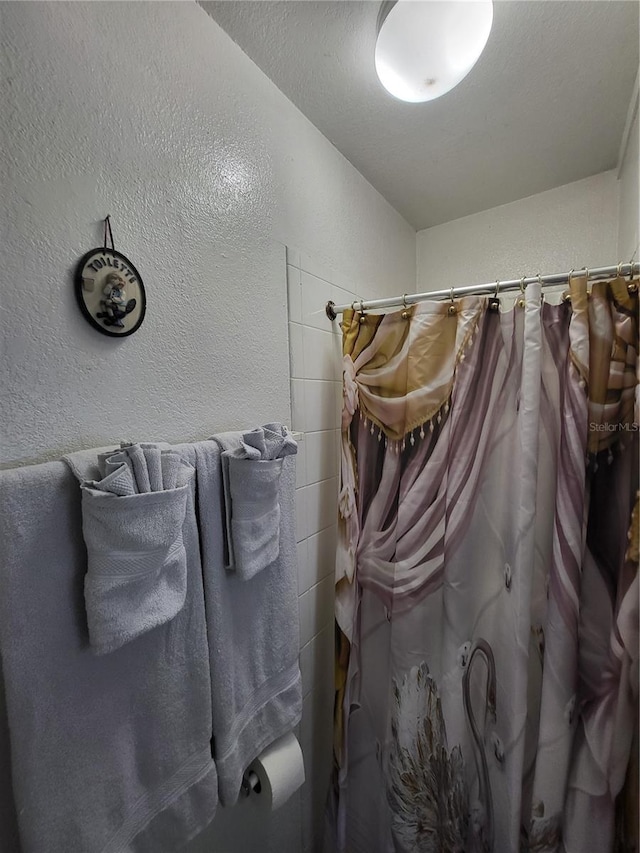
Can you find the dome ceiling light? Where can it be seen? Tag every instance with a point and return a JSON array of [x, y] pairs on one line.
[[426, 47]]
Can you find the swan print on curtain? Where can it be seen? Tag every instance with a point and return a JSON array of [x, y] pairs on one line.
[[487, 577]]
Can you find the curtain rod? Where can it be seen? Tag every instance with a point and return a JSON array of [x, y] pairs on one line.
[[492, 288]]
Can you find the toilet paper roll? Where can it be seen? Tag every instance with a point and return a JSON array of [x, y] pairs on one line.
[[280, 771]]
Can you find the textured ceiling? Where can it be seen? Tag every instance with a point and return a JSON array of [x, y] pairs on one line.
[[545, 105]]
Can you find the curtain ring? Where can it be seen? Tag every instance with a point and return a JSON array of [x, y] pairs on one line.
[[494, 302], [451, 310], [521, 302], [405, 313], [619, 270], [362, 316]]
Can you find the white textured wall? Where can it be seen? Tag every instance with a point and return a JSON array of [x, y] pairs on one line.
[[629, 212], [564, 228], [149, 112]]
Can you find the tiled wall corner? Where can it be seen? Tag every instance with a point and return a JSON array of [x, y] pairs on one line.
[[315, 354]]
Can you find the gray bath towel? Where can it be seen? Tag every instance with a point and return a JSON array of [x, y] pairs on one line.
[[132, 524], [252, 503], [253, 632], [109, 754], [251, 470]]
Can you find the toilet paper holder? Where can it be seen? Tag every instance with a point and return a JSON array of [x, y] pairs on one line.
[[250, 782]]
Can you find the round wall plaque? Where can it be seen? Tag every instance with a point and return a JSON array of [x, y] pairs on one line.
[[110, 292]]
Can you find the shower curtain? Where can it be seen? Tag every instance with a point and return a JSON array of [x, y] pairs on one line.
[[487, 576]]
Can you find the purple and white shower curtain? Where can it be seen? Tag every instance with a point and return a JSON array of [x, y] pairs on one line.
[[487, 577]]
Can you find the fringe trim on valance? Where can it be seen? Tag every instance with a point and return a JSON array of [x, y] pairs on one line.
[[434, 416], [419, 431]]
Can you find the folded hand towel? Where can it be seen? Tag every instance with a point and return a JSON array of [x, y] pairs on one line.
[[171, 465], [252, 497], [139, 463], [136, 568], [253, 631], [150, 467], [272, 441], [251, 469], [117, 473], [93, 464], [153, 456], [111, 753]]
